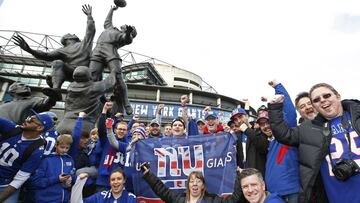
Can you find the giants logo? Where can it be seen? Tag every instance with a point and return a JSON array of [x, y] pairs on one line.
[[175, 171]]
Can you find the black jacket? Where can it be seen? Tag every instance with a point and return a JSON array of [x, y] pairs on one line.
[[256, 150], [312, 139], [171, 196]]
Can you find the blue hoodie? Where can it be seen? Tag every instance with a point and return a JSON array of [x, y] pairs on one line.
[[46, 178], [282, 165]]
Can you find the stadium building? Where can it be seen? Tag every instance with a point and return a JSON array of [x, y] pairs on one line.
[[150, 81]]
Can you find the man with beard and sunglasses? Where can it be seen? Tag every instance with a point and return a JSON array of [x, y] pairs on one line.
[[20, 152], [328, 145]]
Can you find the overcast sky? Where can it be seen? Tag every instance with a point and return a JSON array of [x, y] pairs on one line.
[[234, 45]]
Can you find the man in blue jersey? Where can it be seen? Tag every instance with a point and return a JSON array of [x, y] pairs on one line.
[[328, 146], [15, 167]]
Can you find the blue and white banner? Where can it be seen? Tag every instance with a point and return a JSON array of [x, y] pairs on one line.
[[173, 159], [171, 111]]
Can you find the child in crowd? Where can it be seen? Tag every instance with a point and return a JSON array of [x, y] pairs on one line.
[[56, 173]]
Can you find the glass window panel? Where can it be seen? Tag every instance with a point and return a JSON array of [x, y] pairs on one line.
[[33, 69], [47, 71], [10, 67], [43, 83]]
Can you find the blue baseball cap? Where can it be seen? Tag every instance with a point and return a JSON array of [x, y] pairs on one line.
[[210, 113], [53, 115], [45, 119], [237, 111]]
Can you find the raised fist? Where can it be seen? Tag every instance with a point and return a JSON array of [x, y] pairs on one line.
[[109, 123], [82, 114], [184, 99]]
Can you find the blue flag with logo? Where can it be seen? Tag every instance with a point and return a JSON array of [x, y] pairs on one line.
[[173, 159]]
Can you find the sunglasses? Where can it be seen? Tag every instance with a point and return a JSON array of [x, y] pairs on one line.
[[324, 96], [32, 119]]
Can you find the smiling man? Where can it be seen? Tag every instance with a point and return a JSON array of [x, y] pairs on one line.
[[20, 153], [329, 166], [212, 123], [253, 187], [304, 107]]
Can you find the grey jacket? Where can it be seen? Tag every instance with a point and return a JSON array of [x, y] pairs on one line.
[[313, 144]]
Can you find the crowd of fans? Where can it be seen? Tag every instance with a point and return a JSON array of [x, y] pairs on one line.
[[279, 158]]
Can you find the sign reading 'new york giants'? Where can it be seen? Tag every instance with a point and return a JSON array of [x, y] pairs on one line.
[[173, 159]]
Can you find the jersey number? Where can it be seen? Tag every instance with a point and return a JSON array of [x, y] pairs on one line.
[[8, 155], [339, 150]]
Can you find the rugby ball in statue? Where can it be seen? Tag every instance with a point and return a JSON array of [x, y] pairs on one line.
[[120, 3]]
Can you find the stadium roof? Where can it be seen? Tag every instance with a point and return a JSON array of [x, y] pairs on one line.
[[12, 53]]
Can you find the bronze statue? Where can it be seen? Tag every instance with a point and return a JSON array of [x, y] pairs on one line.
[[105, 55], [83, 95], [65, 59], [20, 107]]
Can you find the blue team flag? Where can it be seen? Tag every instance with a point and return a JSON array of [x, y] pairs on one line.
[[173, 159]]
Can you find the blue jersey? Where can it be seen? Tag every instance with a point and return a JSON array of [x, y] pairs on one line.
[[339, 191], [50, 138], [11, 154], [107, 197]]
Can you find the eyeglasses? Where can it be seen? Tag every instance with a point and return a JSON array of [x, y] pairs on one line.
[[32, 119], [324, 96]]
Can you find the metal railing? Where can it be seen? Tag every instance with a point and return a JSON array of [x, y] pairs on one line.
[[49, 43]]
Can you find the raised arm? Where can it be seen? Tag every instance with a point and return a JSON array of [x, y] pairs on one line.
[[159, 112], [158, 186], [289, 107], [90, 26], [108, 20], [101, 123], [116, 144], [281, 130], [184, 100], [47, 56], [76, 134]]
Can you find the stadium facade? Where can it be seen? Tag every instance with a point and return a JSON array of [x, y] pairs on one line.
[[150, 81]]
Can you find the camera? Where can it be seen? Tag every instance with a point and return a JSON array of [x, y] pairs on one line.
[[344, 169]]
